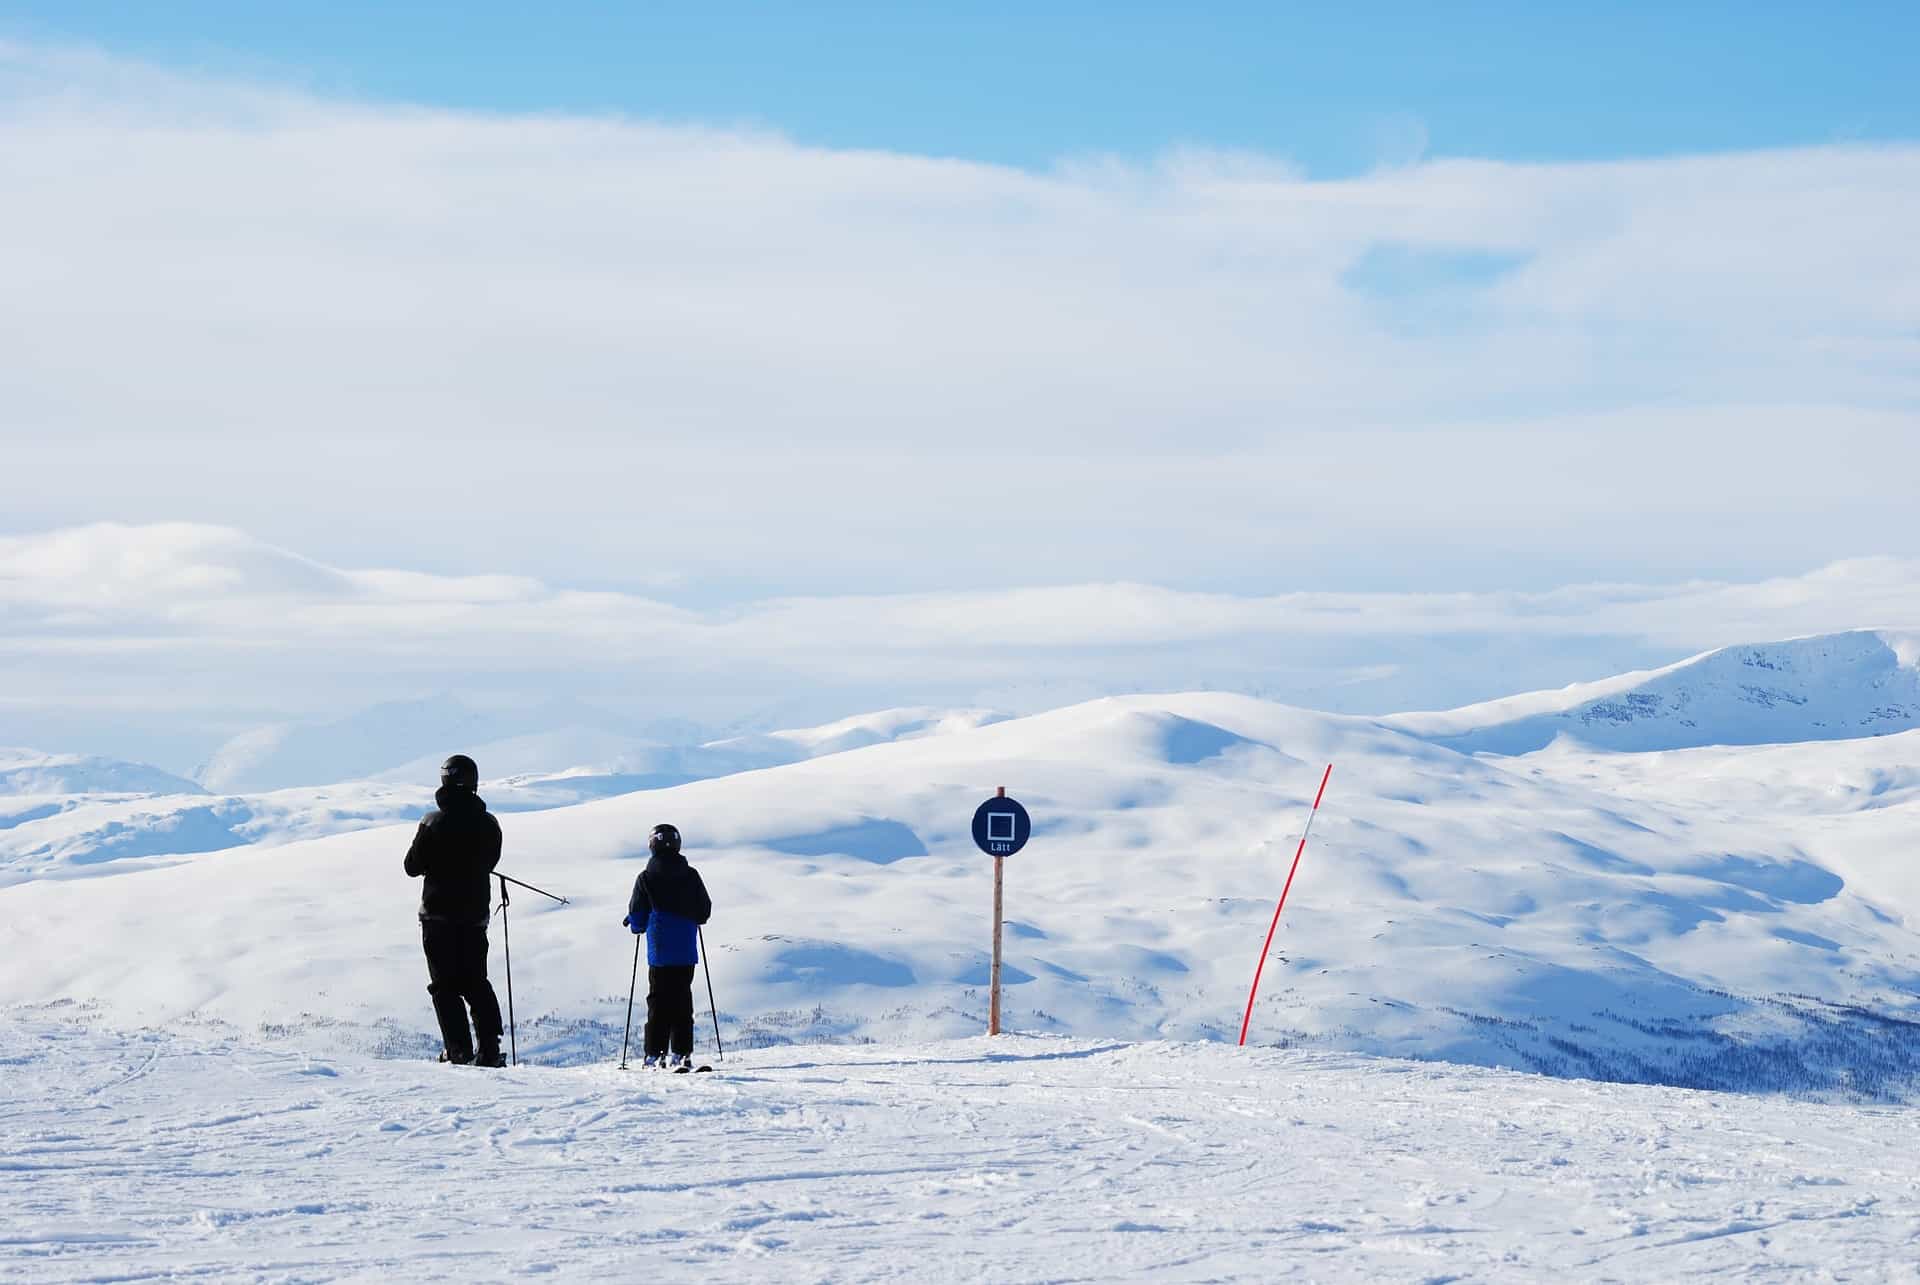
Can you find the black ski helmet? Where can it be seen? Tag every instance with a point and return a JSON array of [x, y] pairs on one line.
[[664, 839], [461, 772]]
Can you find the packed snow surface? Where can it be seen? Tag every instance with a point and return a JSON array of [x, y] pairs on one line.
[[161, 1156]]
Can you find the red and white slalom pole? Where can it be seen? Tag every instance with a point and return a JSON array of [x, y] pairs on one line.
[[1260, 967]]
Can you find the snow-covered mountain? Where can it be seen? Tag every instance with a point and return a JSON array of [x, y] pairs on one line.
[[1832, 687], [562, 751], [773, 748], [1725, 915], [67, 837], [593, 763], [32, 773], [358, 746], [101, 825]]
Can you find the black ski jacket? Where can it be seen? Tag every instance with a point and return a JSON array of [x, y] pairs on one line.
[[454, 850]]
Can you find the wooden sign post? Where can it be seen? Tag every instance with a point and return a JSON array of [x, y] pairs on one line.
[[1001, 828], [999, 910]]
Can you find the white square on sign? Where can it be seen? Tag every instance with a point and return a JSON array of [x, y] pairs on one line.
[[999, 827]]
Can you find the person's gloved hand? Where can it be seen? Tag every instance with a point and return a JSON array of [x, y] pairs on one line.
[[637, 928]]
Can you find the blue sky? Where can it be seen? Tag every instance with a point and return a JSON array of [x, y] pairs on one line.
[[1334, 89]]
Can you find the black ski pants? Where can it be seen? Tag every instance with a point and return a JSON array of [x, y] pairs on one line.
[[670, 1009], [457, 980]]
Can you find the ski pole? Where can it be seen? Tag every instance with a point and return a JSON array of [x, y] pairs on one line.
[[506, 939], [530, 888], [720, 1051], [626, 1036]]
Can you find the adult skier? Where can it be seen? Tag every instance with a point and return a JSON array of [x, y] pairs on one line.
[[669, 904], [455, 850]]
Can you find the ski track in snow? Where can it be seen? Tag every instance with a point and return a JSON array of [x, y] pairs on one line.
[[149, 1156]]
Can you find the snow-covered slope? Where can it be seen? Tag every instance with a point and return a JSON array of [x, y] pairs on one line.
[[67, 836], [183, 1157], [61, 834], [1542, 912], [1831, 687]]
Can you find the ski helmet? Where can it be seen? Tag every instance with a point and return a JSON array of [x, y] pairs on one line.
[[664, 839], [460, 772]]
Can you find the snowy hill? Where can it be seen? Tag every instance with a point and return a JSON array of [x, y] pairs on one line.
[[102, 828], [69, 836], [29, 772], [1676, 917], [183, 1156], [75, 810], [1831, 687]]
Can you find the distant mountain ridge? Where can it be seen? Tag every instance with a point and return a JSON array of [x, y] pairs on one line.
[[33, 772], [858, 732], [358, 746], [115, 812], [1828, 687], [405, 741], [1822, 688]]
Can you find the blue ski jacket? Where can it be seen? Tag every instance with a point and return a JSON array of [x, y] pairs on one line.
[[670, 901]]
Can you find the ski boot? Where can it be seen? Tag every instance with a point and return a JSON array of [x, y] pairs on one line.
[[490, 1057]]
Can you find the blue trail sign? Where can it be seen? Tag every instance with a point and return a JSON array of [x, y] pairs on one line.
[[1001, 827]]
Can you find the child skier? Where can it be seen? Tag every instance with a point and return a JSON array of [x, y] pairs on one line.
[[669, 904]]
